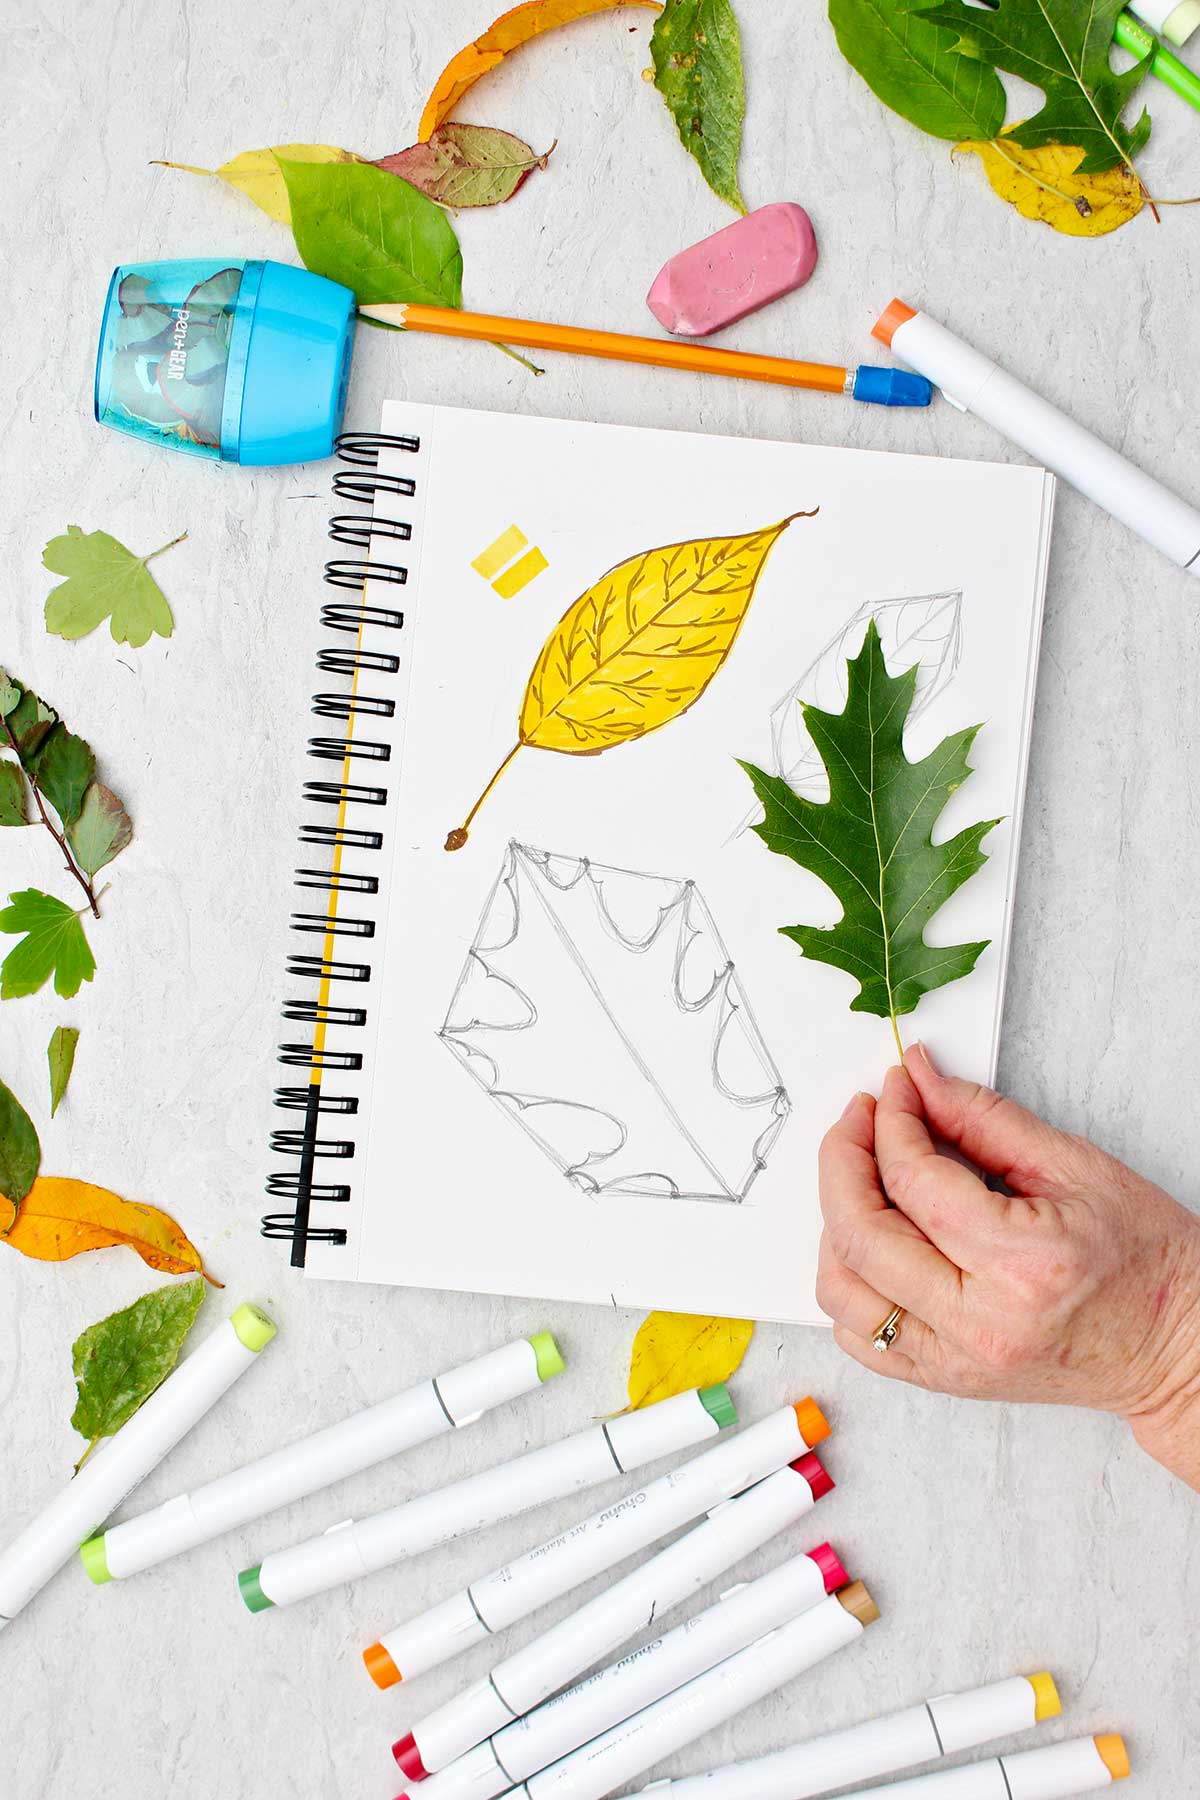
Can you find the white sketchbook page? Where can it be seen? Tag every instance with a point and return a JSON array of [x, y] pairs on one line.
[[458, 1193]]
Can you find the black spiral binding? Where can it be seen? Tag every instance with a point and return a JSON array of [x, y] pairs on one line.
[[337, 969]]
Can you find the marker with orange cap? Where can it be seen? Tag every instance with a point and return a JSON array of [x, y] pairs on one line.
[[976, 385], [1080, 1766], [940, 1727], [740, 1617], [598, 1543]]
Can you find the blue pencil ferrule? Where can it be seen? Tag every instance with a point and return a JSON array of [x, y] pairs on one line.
[[891, 387]]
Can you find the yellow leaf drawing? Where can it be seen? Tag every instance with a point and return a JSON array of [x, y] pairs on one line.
[[1040, 184], [256, 173], [638, 648], [676, 1351]]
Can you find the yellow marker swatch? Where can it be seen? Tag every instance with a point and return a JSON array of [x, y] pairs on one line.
[[490, 561], [523, 571]]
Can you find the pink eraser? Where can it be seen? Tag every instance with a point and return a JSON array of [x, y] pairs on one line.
[[735, 271]]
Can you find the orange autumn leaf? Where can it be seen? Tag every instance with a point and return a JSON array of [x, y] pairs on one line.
[[506, 33], [60, 1217]]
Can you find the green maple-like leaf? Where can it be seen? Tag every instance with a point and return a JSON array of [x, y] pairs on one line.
[[871, 841], [1064, 48], [119, 1361], [918, 69], [696, 50], [52, 943], [105, 581]]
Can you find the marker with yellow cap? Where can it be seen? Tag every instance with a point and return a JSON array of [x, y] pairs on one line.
[[113, 1470], [1081, 1766], [939, 1727], [444, 1403], [498, 1600]]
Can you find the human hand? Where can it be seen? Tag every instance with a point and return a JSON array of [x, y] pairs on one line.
[[1081, 1286]]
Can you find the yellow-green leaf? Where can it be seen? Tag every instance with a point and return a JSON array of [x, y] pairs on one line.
[[638, 648], [1041, 184], [256, 173], [676, 1351], [119, 1361], [60, 1054]]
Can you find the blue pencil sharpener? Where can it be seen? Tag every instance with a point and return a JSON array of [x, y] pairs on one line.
[[240, 361]]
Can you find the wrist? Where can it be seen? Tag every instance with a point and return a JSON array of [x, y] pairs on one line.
[[1166, 1418]]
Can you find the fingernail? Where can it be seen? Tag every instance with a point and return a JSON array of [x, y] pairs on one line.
[[850, 1105], [922, 1050]]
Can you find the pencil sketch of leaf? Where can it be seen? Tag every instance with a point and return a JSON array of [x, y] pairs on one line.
[[638, 648], [921, 629]]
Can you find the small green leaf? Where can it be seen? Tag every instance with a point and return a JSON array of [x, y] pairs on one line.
[[10, 693], [27, 723], [118, 1362], [60, 1054], [374, 233], [12, 795], [53, 944], [101, 831], [466, 165], [697, 54], [918, 69], [62, 766], [871, 841], [20, 1152], [105, 581]]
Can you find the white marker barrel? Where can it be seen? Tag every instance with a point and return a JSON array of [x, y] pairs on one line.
[[360, 1547], [1082, 1766], [550, 1661], [721, 1693], [115, 1468], [940, 1727], [456, 1398], [971, 381], [598, 1543], [615, 1693]]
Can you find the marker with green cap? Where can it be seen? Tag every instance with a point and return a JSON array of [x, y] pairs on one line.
[[110, 1473], [360, 1547], [443, 1403]]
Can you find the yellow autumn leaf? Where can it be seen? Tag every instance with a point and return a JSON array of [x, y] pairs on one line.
[[60, 1217], [1040, 184], [638, 648], [676, 1351], [256, 173]]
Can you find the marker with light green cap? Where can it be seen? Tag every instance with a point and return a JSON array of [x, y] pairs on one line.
[[443, 1403], [110, 1473]]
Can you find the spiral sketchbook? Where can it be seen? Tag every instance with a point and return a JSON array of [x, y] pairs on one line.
[[550, 1039]]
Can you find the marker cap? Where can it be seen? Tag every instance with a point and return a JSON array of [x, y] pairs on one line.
[[858, 1603], [409, 1757], [894, 314], [380, 1667], [1047, 1704], [253, 1326], [1110, 1747], [251, 1592], [547, 1354], [814, 1426], [94, 1560], [815, 1473], [718, 1403], [830, 1565]]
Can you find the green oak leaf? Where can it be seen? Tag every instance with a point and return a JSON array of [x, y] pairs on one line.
[[105, 581], [1065, 49], [696, 50], [53, 944], [62, 767], [918, 68], [20, 1152], [60, 1054], [101, 831], [373, 232], [871, 841], [12, 795], [119, 1361]]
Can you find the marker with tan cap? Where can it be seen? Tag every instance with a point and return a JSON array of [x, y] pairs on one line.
[[498, 1600], [1080, 1766], [940, 1727], [113, 1470]]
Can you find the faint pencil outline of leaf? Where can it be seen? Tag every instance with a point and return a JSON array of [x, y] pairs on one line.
[[935, 622]]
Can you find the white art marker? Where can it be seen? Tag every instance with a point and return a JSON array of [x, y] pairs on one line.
[[539, 1738], [456, 1398], [360, 1547], [719, 1694], [976, 385], [114, 1469], [940, 1727], [513, 1592], [1059, 1771]]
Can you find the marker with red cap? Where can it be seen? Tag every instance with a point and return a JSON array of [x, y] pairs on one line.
[[605, 1539], [646, 1674]]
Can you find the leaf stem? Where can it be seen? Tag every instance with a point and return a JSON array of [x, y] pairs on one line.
[[59, 837], [458, 837], [85, 1455], [163, 547], [896, 1035], [517, 357]]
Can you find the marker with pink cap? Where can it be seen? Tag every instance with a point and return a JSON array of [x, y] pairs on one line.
[[739, 1618]]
